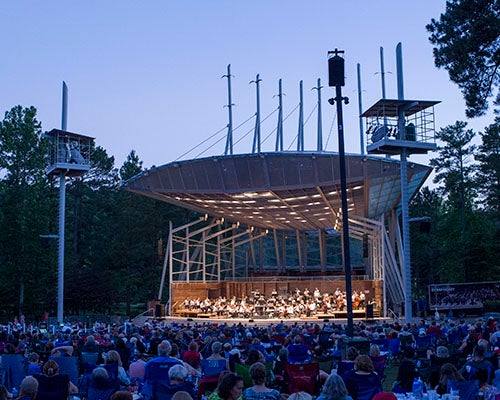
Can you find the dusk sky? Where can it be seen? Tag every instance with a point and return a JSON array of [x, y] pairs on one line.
[[146, 75]]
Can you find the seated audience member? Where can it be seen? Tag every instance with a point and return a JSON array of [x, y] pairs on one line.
[[298, 352], [28, 389], [301, 396], [334, 389], [101, 387], [177, 375], [181, 395], [489, 392], [348, 364], [362, 382], [407, 372], [231, 387], [33, 364], [51, 368], [122, 395], [448, 372], [90, 346], [163, 362], [137, 368], [259, 390], [192, 356], [478, 362], [113, 359]]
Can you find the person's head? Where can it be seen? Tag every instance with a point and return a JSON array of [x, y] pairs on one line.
[[352, 353], [297, 339], [164, 348], [29, 387], [175, 351], [90, 339], [363, 363], [34, 358], [449, 371], [479, 352], [122, 395], [442, 352], [258, 373], [193, 346], [254, 356], [100, 374], [231, 387], [374, 350], [50, 368], [181, 395], [334, 388], [177, 374], [300, 396], [113, 356], [216, 347]]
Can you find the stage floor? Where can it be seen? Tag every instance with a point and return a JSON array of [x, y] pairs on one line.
[[318, 319]]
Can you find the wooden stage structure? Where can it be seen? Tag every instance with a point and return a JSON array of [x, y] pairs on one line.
[[181, 290]]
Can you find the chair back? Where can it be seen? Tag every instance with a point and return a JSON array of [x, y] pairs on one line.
[[344, 366], [90, 358], [303, 377], [383, 344], [467, 390], [164, 391], [14, 370], [69, 366], [52, 387], [379, 364], [213, 367], [243, 371]]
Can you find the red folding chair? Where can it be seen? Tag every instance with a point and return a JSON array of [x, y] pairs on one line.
[[303, 377]]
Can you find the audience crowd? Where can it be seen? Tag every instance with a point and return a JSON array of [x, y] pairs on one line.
[[222, 361]]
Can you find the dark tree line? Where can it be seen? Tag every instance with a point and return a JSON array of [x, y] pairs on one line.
[[113, 254]]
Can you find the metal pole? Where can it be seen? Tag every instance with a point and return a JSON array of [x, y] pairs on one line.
[[256, 138], [404, 193], [279, 131], [62, 216], [320, 122], [360, 108], [300, 136], [345, 215], [336, 78], [60, 265], [229, 141]]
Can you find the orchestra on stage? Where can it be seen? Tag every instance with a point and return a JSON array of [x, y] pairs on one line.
[[295, 304]]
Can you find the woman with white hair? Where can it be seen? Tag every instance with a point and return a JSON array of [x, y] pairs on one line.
[[334, 389]]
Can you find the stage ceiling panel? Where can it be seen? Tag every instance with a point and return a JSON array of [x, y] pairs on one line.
[[285, 190]]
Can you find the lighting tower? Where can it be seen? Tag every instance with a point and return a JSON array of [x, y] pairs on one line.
[[401, 127], [69, 156]]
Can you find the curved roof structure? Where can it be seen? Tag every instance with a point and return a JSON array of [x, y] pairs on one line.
[[282, 190]]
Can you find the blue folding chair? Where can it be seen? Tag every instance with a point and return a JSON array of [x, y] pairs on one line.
[[69, 366], [467, 390], [14, 370]]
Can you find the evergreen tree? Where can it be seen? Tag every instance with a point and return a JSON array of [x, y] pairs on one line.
[[467, 45]]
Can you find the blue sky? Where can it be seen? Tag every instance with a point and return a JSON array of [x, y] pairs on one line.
[[146, 75]]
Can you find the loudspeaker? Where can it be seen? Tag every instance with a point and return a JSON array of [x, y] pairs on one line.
[[336, 71], [158, 310], [369, 311]]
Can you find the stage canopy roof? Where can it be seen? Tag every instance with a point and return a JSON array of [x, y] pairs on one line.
[[282, 190]]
